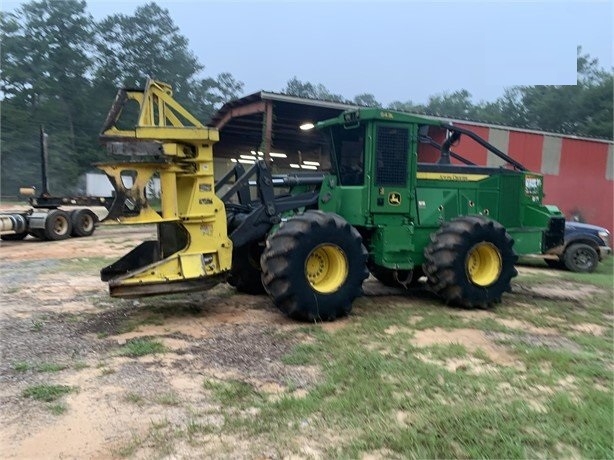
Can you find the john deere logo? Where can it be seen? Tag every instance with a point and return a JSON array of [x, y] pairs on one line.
[[394, 198]]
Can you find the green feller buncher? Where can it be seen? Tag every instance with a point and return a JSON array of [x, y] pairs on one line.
[[310, 240]]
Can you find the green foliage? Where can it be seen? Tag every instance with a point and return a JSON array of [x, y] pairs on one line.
[[46, 392], [60, 68], [141, 347], [367, 100], [296, 87], [149, 44]]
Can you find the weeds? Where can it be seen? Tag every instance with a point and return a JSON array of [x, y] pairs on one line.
[[46, 392], [141, 347]]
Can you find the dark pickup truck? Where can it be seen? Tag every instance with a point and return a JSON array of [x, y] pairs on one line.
[[585, 245]]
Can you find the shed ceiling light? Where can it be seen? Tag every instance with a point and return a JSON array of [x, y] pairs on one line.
[[307, 126], [248, 157], [308, 167], [278, 155], [247, 162], [312, 163], [294, 165]]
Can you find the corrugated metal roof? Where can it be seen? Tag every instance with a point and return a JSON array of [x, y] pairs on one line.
[[342, 106]]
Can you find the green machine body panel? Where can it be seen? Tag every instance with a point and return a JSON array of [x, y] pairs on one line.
[[396, 203]]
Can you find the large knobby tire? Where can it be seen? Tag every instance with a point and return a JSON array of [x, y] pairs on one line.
[[470, 262], [83, 222], [245, 274], [388, 278], [57, 225], [313, 266], [581, 257]]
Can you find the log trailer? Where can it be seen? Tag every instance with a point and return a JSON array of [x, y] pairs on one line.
[[310, 240], [45, 220]]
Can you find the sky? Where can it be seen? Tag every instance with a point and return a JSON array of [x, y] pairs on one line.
[[396, 50]]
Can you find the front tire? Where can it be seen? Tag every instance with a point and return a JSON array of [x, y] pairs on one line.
[[314, 266], [581, 258], [470, 262]]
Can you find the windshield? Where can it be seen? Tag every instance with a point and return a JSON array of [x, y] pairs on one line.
[[348, 154]]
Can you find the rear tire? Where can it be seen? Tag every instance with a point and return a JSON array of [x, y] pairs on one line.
[[581, 258], [57, 225], [245, 275], [83, 222], [470, 262], [314, 266]]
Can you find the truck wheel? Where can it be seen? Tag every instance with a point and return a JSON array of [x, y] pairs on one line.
[[314, 266], [387, 278], [470, 262], [245, 274], [14, 236], [581, 257], [83, 222], [57, 225]]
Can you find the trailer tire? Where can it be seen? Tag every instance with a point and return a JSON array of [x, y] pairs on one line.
[[581, 258], [387, 278], [83, 222], [14, 236], [470, 262], [245, 274], [57, 225], [313, 267]]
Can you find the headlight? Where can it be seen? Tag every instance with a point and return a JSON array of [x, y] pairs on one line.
[[605, 236]]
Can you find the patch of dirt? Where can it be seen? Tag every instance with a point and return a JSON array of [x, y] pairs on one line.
[[559, 290], [524, 326], [588, 328], [554, 342], [52, 315], [472, 339]]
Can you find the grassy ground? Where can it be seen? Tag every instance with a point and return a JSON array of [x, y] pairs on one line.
[[382, 393], [403, 377]]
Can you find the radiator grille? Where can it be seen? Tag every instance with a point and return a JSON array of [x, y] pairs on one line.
[[391, 156]]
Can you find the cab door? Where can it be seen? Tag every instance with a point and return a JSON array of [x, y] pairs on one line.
[[394, 161]]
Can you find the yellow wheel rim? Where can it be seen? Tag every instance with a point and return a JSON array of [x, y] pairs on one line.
[[326, 268], [483, 264]]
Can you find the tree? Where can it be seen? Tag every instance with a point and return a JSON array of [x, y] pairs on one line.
[[296, 87], [45, 63], [366, 99], [149, 44], [407, 106], [581, 109]]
